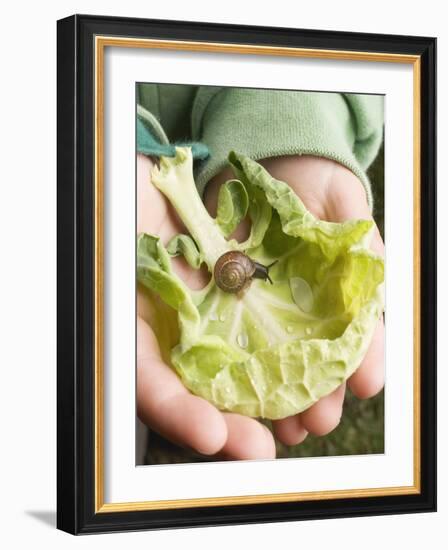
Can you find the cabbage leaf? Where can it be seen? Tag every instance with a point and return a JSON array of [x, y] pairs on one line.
[[273, 350]]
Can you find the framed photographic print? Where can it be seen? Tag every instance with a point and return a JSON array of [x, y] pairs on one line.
[[246, 274]]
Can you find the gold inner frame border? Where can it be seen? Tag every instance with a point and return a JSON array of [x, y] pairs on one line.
[[100, 43]]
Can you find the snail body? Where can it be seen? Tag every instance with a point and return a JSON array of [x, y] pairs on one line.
[[234, 271]]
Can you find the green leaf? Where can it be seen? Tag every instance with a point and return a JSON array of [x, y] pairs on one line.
[[154, 272], [183, 245], [174, 178], [233, 202], [260, 213], [152, 254], [296, 220], [272, 350]]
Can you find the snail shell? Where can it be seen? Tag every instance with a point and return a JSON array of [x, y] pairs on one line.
[[234, 271]]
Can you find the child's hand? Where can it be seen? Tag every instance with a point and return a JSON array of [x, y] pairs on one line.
[[331, 192], [163, 402]]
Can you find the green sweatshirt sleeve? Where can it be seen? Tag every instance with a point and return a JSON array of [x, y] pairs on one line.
[[265, 123]]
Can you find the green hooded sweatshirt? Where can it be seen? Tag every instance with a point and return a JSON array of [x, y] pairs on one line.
[[259, 123]]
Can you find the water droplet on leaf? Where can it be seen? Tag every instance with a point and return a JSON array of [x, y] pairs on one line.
[[243, 340], [301, 293]]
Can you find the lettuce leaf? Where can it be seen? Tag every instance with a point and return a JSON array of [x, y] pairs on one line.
[[273, 350]]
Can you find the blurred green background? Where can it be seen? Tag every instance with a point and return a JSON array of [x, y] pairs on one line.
[[361, 430]]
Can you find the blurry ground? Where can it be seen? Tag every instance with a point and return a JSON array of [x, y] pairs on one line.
[[361, 430]]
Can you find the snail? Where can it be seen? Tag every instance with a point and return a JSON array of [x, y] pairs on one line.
[[234, 271]]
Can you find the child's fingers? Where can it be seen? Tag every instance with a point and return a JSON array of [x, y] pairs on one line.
[[164, 404], [290, 430], [324, 416], [247, 439], [368, 379]]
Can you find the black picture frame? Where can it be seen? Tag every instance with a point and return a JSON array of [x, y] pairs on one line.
[[76, 509]]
